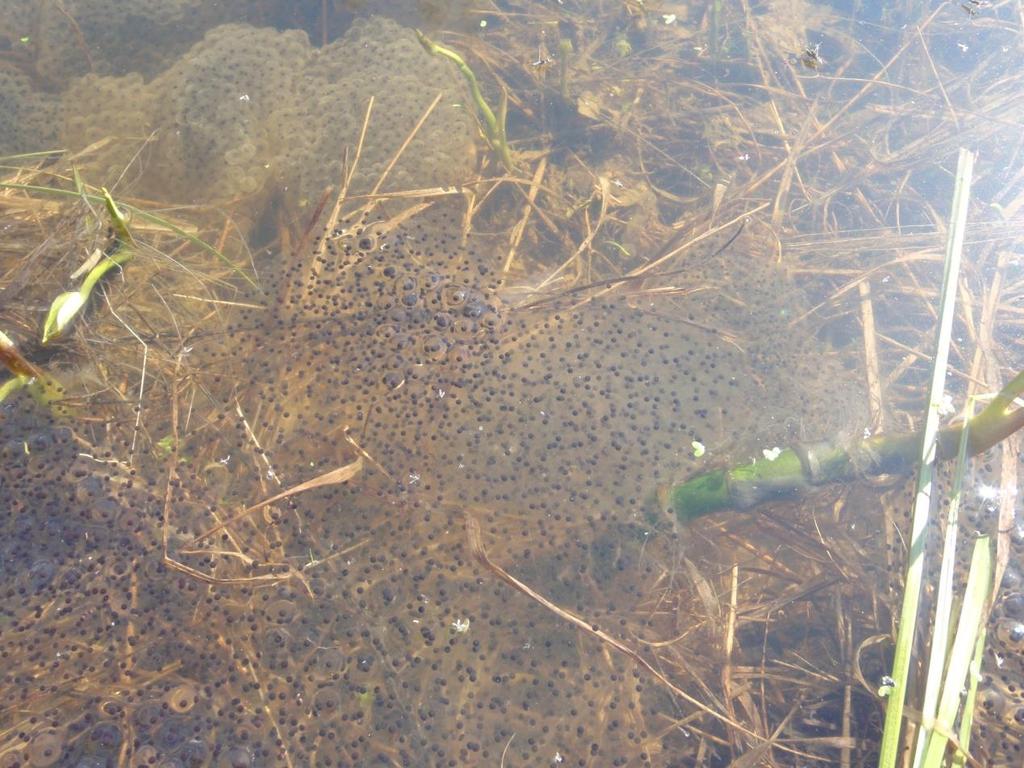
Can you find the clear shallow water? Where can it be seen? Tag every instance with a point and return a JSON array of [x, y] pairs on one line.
[[467, 381]]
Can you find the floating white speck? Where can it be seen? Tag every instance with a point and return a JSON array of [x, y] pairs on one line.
[[669, 18], [988, 492], [771, 453], [887, 686], [483, 23], [244, 97], [460, 625], [946, 407]]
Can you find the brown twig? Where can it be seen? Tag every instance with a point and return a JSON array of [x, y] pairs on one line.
[[405, 144], [867, 316], [79, 37], [332, 477], [520, 228]]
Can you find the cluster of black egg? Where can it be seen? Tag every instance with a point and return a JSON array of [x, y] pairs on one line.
[[550, 425], [352, 623], [249, 109]]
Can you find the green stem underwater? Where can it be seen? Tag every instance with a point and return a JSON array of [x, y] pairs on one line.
[[800, 468], [494, 126]]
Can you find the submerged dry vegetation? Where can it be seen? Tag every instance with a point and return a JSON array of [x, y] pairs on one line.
[[372, 486]]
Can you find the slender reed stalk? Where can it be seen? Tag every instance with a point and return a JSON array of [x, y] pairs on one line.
[[890, 747]]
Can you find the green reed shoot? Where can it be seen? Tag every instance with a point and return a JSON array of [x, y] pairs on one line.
[[494, 126], [891, 733], [137, 213], [68, 305]]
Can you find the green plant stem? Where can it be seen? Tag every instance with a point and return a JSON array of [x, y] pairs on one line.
[[801, 468], [117, 218], [944, 594], [152, 218], [105, 265], [891, 731], [67, 306], [974, 676], [11, 386], [714, 24], [494, 127], [564, 52], [972, 619]]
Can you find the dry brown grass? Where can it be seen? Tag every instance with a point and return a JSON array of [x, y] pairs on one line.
[[766, 632]]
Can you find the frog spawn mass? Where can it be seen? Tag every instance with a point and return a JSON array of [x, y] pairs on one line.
[[549, 425], [112, 37], [68, 38], [250, 108], [999, 718], [399, 337], [407, 651]]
